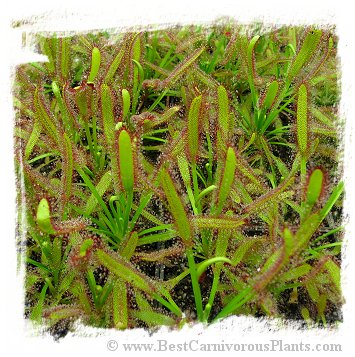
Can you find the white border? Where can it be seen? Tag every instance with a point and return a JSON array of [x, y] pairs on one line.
[[84, 15]]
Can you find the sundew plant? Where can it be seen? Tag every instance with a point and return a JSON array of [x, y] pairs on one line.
[[180, 175]]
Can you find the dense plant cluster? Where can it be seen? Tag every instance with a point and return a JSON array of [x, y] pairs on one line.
[[180, 175]]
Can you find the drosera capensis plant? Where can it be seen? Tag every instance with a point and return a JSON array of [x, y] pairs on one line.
[[180, 175]]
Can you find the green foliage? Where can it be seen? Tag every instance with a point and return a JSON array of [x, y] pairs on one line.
[[198, 161], [44, 217], [95, 64], [193, 128], [125, 157], [302, 119], [227, 179], [176, 207]]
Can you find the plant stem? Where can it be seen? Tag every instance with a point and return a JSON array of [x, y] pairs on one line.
[[195, 284], [213, 292]]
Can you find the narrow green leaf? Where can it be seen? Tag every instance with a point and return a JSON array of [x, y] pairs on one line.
[[206, 263], [44, 217], [109, 131], [120, 304], [239, 300], [251, 69], [176, 207], [245, 169], [67, 120], [33, 139], [203, 77], [46, 48], [313, 291], [276, 261], [319, 115], [144, 200], [137, 72], [66, 281], [85, 246], [179, 70], [114, 65], [126, 100], [270, 94], [314, 189], [311, 223], [270, 197], [184, 169], [107, 115], [334, 272], [220, 251], [155, 229], [141, 301], [129, 247], [166, 116], [67, 167], [92, 284], [305, 314], [295, 273], [22, 107], [94, 192], [95, 64], [205, 192], [140, 69], [126, 271], [81, 100], [64, 313], [104, 292], [56, 253], [154, 318], [217, 223], [231, 48], [227, 179], [306, 231], [36, 313], [45, 118], [302, 119], [38, 265], [185, 174], [126, 161], [323, 61], [243, 249], [158, 237], [65, 56], [195, 283], [101, 188], [193, 128], [336, 193], [306, 52], [80, 292]]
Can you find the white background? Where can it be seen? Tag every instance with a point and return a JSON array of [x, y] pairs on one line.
[[16, 336]]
